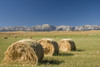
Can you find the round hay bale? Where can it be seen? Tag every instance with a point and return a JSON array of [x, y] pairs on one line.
[[5, 37], [54, 36], [66, 45], [50, 47], [30, 37], [24, 51], [15, 36]]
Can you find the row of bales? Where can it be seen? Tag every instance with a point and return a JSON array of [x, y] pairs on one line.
[[15, 36], [5, 37], [31, 51]]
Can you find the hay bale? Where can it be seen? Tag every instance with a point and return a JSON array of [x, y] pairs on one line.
[[50, 47], [66, 45], [5, 37], [30, 37], [15, 36], [54, 36], [24, 51]]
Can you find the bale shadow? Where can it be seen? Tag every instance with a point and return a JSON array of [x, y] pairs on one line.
[[65, 54], [80, 50], [54, 62]]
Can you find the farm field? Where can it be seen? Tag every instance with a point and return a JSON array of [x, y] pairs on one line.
[[87, 44]]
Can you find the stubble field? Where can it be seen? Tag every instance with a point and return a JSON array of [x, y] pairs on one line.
[[87, 44]]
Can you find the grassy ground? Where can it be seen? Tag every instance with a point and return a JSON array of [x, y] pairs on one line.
[[87, 43]]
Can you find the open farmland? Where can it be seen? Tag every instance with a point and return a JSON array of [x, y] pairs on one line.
[[87, 44]]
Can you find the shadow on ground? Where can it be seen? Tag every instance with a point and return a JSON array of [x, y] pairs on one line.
[[55, 62], [80, 50], [65, 54]]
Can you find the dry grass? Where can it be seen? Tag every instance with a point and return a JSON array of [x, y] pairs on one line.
[[54, 33]]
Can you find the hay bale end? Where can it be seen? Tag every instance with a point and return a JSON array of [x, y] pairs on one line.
[[66, 45], [24, 51], [50, 46]]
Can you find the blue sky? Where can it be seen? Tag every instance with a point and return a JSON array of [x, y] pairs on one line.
[[53, 12]]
